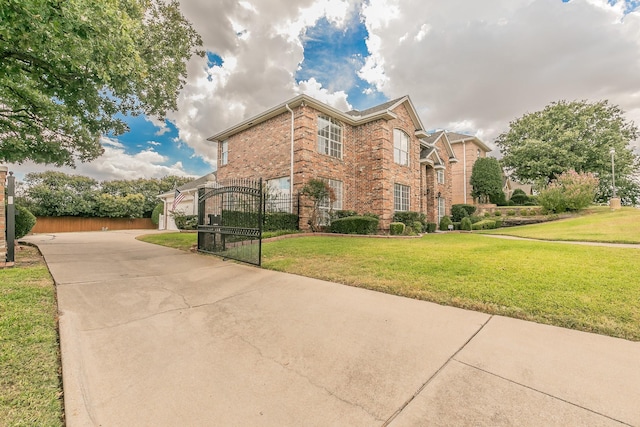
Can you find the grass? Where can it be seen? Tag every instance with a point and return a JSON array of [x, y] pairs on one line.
[[598, 224], [581, 287], [587, 288], [185, 241], [30, 385]]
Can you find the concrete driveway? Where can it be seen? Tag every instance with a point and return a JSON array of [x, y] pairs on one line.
[[153, 336]]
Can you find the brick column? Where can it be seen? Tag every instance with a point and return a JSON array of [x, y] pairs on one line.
[[3, 222]]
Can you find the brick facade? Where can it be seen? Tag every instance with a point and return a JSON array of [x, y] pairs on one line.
[[260, 147], [467, 152]]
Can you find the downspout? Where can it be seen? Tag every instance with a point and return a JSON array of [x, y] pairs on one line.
[[291, 173], [464, 168]]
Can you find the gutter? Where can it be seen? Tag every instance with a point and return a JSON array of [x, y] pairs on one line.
[[291, 155]]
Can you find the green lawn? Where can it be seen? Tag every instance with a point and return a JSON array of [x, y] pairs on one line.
[[30, 386], [598, 224], [176, 240], [581, 287]]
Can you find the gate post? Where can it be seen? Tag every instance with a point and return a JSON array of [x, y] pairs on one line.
[[11, 218], [3, 223]]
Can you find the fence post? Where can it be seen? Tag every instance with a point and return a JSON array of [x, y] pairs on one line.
[[3, 222]]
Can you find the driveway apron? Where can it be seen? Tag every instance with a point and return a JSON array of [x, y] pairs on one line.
[[152, 336]]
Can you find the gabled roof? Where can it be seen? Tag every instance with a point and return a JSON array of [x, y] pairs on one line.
[[441, 136], [455, 138], [191, 185], [354, 118]]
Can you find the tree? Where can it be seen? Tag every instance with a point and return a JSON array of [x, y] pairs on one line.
[[148, 188], [571, 191], [319, 192], [69, 70], [58, 194], [577, 135], [486, 179]]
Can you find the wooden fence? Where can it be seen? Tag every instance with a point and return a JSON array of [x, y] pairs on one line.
[[47, 224]]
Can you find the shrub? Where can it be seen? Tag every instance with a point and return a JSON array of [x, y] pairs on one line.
[[487, 214], [445, 222], [474, 219], [408, 218], [274, 221], [498, 213], [519, 197], [343, 214], [431, 227], [185, 222], [511, 212], [485, 224], [354, 225], [371, 215], [25, 221], [570, 191], [155, 215], [466, 224], [396, 228], [418, 226], [498, 198], [460, 211]]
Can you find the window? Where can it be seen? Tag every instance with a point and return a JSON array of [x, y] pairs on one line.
[[400, 197], [276, 198], [440, 174], [329, 137], [400, 147], [441, 208], [326, 206], [224, 157]]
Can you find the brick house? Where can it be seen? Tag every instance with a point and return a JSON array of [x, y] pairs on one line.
[[376, 160], [467, 150]]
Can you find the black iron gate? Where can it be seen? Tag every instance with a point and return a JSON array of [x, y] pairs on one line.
[[230, 219]]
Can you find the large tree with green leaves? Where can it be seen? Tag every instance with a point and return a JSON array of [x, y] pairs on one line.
[[69, 70], [54, 193], [486, 179], [577, 135]]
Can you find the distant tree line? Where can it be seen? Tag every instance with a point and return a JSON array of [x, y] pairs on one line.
[[59, 194]]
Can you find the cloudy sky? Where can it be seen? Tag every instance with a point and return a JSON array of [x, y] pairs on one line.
[[469, 66]]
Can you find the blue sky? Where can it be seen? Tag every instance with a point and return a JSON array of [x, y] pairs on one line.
[[468, 66]]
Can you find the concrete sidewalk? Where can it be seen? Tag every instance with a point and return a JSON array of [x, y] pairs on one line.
[[153, 336]]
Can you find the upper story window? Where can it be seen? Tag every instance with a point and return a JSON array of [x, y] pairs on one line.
[[224, 156], [440, 175], [329, 136], [400, 147]]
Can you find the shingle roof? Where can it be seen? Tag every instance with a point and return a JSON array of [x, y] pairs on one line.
[[192, 185], [375, 109], [433, 137]]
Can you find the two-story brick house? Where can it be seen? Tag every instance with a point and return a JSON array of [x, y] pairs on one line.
[[467, 150], [376, 160]]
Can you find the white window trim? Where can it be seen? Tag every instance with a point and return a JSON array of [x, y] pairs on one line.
[[400, 156], [404, 200], [440, 176], [331, 144], [325, 207], [442, 208], [224, 156]]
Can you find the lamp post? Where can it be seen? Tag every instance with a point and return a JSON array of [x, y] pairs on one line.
[[612, 151]]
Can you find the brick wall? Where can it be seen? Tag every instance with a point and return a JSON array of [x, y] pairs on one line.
[[458, 171], [367, 169], [3, 222]]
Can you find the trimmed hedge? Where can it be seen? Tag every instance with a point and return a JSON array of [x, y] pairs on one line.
[[186, 222], [466, 224], [409, 217], [487, 224], [431, 227], [445, 222], [354, 225], [459, 211], [274, 221], [396, 228], [25, 221]]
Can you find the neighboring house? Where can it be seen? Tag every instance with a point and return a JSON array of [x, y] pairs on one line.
[[467, 150], [187, 203], [510, 186], [377, 160]]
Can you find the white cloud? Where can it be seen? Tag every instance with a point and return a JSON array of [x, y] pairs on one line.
[[487, 63], [160, 124], [115, 163]]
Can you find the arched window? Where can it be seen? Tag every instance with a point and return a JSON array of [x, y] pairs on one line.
[[400, 147]]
